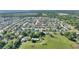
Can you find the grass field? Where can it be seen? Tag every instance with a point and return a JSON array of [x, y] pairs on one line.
[[57, 42]]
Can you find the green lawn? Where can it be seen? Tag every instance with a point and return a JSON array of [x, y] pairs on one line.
[[57, 42]]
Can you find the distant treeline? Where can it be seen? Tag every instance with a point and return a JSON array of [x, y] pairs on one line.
[[49, 13]]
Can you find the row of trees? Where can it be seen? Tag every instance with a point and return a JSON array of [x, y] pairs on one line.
[[33, 34], [73, 36]]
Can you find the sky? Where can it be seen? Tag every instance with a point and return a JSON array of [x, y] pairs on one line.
[[39, 4]]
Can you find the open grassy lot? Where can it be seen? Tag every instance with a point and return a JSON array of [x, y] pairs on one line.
[[55, 41]]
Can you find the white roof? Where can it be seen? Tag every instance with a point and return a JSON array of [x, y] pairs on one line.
[[35, 39]]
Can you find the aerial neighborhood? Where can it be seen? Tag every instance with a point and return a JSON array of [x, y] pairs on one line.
[[22, 31]]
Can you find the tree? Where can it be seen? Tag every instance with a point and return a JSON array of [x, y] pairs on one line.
[[9, 45], [1, 44], [77, 26], [16, 43], [71, 36], [24, 33], [9, 35], [42, 34], [35, 34]]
